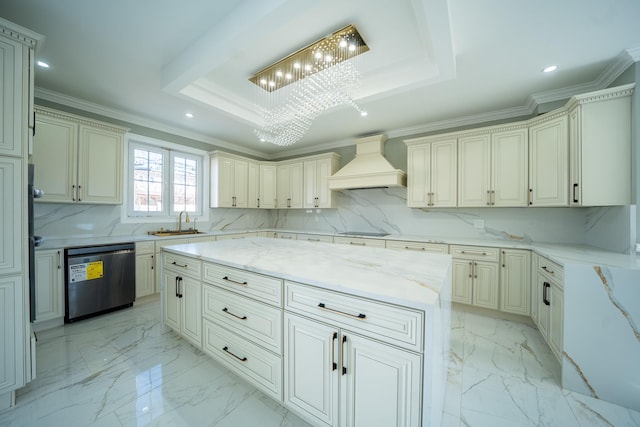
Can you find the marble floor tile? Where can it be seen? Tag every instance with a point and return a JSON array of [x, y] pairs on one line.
[[127, 369]]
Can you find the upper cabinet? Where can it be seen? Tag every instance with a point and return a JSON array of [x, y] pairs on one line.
[[316, 172], [77, 160], [600, 147], [11, 97], [431, 172], [289, 187], [549, 164], [229, 181], [268, 185]]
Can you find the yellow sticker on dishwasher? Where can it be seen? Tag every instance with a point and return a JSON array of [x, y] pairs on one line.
[[86, 271]]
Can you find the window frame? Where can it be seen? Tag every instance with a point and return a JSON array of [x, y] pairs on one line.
[[169, 150]]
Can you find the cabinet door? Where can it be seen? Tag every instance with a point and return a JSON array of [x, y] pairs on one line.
[[55, 150], [548, 163], [381, 384], [253, 185], [145, 275], [325, 197], [310, 184], [515, 279], [311, 368], [485, 284], [509, 168], [171, 301], [240, 183], [575, 156], [11, 98], [556, 308], [49, 285], [222, 182], [533, 280], [444, 173], [99, 166], [418, 175], [11, 333], [191, 316], [12, 227], [283, 187], [462, 281], [296, 187], [268, 185], [473, 171]]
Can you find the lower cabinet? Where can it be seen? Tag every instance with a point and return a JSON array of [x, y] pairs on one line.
[[341, 378], [183, 297], [11, 341], [145, 269], [515, 281], [49, 276], [549, 301], [475, 276]]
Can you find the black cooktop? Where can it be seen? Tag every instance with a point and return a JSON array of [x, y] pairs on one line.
[[365, 233]]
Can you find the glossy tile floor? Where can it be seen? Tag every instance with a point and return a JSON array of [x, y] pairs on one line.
[[126, 369]]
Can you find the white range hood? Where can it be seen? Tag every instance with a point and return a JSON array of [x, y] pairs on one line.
[[369, 169]]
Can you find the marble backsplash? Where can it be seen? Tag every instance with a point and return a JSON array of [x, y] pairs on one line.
[[610, 228]]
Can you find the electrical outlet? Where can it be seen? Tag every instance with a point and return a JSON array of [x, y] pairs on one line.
[[478, 223], [638, 248]]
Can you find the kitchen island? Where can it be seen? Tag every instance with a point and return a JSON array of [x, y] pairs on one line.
[[342, 335]]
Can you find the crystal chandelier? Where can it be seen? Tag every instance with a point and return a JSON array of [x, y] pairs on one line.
[[291, 93]]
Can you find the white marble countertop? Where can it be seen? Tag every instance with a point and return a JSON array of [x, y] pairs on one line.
[[560, 253], [410, 279]]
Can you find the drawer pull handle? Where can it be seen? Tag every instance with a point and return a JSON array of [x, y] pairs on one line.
[[344, 359], [234, 281], [226, 310], [313, 240], [545, 298], [547, 270], [474, 253], [415, 249], [357, 316], [179, 265], [226, 349], [358, 243]]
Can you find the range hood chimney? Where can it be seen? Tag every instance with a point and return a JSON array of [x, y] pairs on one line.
[[369, 169]]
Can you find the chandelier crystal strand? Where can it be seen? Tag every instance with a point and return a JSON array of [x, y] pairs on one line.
[[293, 92]]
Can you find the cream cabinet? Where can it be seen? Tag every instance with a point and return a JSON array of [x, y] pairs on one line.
[[253, 184], [316, 173], [439, 248], [77, 160], [289, 185], [13, 216], [183, 296], [12, 324], [229, 181], [475, 277], [515, 281], [550, 303], [49, 276], [336, 373], [600, 147], [432, 172], [492, 168], [145, 269], [11, 95], [268, 177], [359, 241], [549, 161]]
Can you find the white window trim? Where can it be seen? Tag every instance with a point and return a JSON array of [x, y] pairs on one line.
[[124, 211]]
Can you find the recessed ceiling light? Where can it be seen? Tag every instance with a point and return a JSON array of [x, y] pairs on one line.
[[550, 68], [364, 113], [43, 64], [189, 115]]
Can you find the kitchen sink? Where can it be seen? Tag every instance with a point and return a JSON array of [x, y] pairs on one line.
[[161, 233]]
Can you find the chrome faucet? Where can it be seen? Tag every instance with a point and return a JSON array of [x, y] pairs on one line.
[[180, 219]]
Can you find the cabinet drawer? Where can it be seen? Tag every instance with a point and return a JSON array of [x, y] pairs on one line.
[[180, 264], [145, 248], [252, 320], [418, 246], [287, 236], [169, 242], [551, 270], [262, 288], [359, 241], [480, 253], [257, 365], [315, 238], [395, 325]]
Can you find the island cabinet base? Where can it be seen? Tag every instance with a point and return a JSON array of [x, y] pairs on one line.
[[347, 358]]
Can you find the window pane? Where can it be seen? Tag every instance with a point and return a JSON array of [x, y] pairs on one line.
[[185, 180], [147, 181]]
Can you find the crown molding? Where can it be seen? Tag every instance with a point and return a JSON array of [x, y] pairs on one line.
[[69, 101]]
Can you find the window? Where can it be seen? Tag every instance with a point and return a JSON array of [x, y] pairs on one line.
[[164, 179]]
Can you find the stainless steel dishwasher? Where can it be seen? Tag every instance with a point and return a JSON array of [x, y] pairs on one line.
[[98, 279]]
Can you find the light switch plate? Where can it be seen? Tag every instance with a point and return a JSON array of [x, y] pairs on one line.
[[478, 223], [638, 248]]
